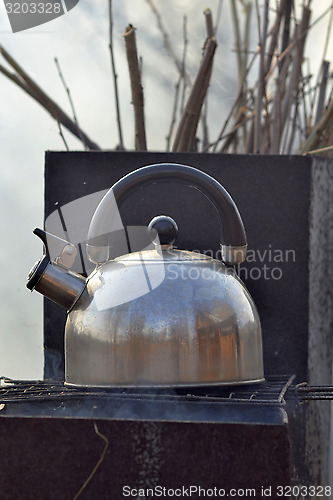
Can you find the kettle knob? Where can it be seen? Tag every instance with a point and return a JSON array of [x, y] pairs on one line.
[[165, 227]]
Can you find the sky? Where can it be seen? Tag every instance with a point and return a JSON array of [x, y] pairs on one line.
[[79, 40]]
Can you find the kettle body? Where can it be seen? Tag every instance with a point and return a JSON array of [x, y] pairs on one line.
[[198, 326], [157, 317]]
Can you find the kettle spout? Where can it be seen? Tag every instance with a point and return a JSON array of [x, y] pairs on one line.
[[55, 280]]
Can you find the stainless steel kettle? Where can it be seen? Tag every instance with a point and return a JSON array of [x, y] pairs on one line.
[[158, 317]]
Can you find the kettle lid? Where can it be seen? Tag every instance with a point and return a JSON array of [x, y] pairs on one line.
[[163, 231]]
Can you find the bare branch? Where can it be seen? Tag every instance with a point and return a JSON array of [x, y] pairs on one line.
[[328, 35], [240, 118], [319, 151], [322, 91], [185, 136], [290, 47], [218, 16], [286, 29], [276, 122], [63, 137], [235, 104], [174, 112], [183, 72], [274, 34], [136, 87], [300, 36], [21, 83], [242, 49], [246, 39], [209, 23], [166, 40], [261, 79], [70, 100], [177, 88], [115, 78], [205, 130], [293, 129], [42, 98], [315, 136], [237, 35], [204, 109]]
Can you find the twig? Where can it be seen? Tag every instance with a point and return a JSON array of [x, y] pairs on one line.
[[141, 66], [115, 78], [328, 34], [242, 60], [286, 30], [209, 23], [205, 131], [261, 80], [293, 129], [313, 139], [166, 40], [250, 137], [183, 71], [303, 131], [274, 34], [322, 91], [177, 89], [246, 41], [185, 136], [277, 127], [266, 141], [70, 100], [237, 35], [218, 16], [295, 41], [317, 151], [331, 95], [40, 96], [21, 83], [234, 129], [276, 123], [300, 36], [309, 95], [240, 118], [306, 118], [174, 112], [259, 21], [285, 135], [99, 462], [136, 87], [204, 109], [236, 101], [63, 137]]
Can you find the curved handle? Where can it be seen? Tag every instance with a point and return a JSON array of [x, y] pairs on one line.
[[233, 238]]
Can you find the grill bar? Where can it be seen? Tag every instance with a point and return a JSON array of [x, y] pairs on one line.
[[314, 392], [272, 391]]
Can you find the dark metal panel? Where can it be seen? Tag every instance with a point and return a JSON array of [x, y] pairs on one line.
[[273, 195], [43, 458]]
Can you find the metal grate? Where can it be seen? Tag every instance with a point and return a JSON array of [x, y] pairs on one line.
[[272, 391], [307, 392]]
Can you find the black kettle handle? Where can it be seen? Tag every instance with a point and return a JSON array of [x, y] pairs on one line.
[[233, 237]]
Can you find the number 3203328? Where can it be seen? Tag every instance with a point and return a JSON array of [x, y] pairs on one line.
[[33, 8]]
